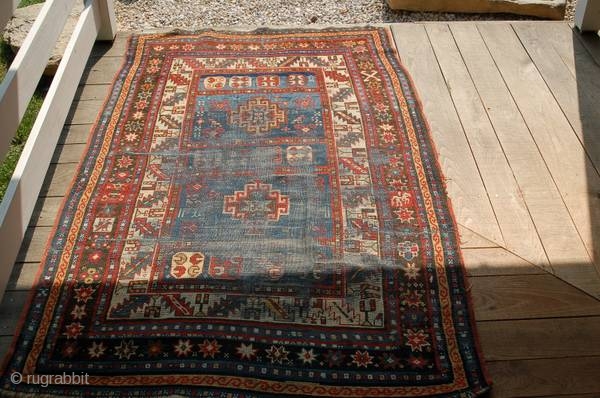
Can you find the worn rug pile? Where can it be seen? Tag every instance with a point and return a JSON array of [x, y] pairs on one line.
[[257, 214]]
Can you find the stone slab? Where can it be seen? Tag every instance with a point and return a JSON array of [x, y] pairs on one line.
[[551, 9]]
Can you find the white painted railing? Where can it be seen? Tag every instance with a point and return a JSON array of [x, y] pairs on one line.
[[97, 22], [587, 15]]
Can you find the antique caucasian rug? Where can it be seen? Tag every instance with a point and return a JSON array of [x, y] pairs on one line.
[[257, 214]]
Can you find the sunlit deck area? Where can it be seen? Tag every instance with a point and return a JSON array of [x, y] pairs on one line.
[[514, 109]]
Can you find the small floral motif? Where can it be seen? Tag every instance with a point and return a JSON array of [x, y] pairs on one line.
[[417, 362], [277, 354], [96, 350], [183, 348], [126, 349], [246, 351], [408, 250], [73, 330], [124, 161], [411, 270], [90, 275], [70, 350], [155, 348], [209, 348], [416, 339], [362, 359], [307, 356], [78, 312], [333, 358], [405, 215], [389, 361]]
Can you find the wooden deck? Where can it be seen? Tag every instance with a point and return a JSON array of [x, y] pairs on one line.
[[515, 113]]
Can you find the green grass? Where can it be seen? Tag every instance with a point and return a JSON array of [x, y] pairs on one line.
[[7, 165], [25, 3]]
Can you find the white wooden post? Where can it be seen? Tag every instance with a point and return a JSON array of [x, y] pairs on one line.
[[108, 23], [7, 9], [587, 15], [21, 194]]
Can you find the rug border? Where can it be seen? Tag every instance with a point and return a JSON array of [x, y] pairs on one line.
[[436, 153], [48, 244]]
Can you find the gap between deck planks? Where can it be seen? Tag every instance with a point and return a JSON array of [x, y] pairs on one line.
[[564, 155], [535, 221], [531, 324]]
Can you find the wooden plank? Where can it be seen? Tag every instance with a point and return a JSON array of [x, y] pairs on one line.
[[553, 222], [11, 308], [518, 230], [591, 42], [68, 153], [575, 176], [26, 69], [578, 93], [116, 48], [527, 297], [92, 92], [75, 134], [102, 70], [108, 21], [84, 112], [23, 277], [590, 395], [5, 342], [34, 243], [45, 211], [542, 377], [20, 197], [58, 180], [472, 240], [7, 10], [587, 15], [465, 188], [496, 261], [540, 338]]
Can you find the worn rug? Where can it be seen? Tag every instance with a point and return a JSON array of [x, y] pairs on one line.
[[257, 214]]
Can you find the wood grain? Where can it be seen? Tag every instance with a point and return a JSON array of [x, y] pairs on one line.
[[58, 180], [540, 338], [543, 377], [23, 276], [527, 297], [68, 153], [116, 48], [45, 212], [572, 76], [558, 234], [518, 230], [470, 239], [84, 112], [496, 261], [11, 308], [34, 244], [102, 70], [465, 187], [92, 92], [573, 173], [75, 134]]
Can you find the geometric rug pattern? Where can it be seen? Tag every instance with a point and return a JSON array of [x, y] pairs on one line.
[[257, 214]]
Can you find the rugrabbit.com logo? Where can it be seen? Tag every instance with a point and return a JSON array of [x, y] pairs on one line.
[[46, 380]]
